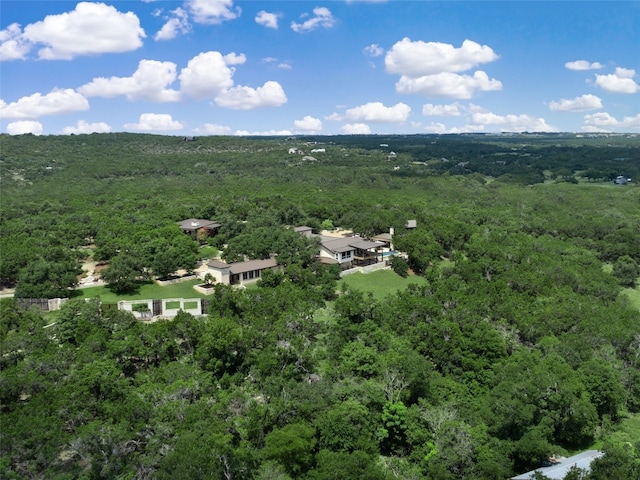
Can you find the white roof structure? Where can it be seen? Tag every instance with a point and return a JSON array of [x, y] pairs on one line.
[[559, 470]]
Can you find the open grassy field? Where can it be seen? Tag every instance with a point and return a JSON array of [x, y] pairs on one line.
[[380, 283], [147, 290]]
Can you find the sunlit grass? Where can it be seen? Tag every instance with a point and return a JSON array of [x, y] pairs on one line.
[[633, 294], [146, 291], [626, 432], [380, 283]]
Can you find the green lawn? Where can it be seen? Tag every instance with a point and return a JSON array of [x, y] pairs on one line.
[[380, 283], [628, 430], [147, 291]]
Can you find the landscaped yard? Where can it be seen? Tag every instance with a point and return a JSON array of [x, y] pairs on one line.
[[147, 291], [380, 283]]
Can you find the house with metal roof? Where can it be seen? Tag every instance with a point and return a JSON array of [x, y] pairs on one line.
[[558, 468]]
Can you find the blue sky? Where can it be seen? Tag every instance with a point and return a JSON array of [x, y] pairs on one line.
[[227, 67]]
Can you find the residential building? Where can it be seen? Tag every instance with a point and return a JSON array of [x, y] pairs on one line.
[[190, 226], [350, 252], [240, 273]]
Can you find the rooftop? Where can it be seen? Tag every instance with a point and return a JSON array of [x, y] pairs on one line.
[[336, 244], [196, 223], [241, 267], [559, 470]]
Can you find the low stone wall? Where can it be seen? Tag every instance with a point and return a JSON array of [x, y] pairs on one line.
[[375, 267], [203, 290], [368, 269], [164, 283], [46, 304]]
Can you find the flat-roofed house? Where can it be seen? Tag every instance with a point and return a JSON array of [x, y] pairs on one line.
[[190, 226], [304, 231], [240, 273], [349, 251]]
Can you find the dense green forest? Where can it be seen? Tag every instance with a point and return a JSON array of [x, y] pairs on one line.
[[521, 342]]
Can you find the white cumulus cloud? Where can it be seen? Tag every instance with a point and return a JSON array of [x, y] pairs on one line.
[[13, 45], [322, 18], [511, 123], [596, 122], [377, 112], [267, 19], [84, 127], [583, 65], [451, 110], [447, 84], [213, 129], [24, 126], [308, 124], [416, 59], [56, 102], [356, 129], [266, 133], [149, 82], [90, 29], [155, 122], [373, 50], [578, 104], [212, 12], [334, 117], [206, 75], [234, 59], [242, 97], [619, 82], [177, 24], [434, 68]]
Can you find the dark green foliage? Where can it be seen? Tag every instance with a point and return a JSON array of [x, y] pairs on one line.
[[291, 446], [626, 270], [619, 461], [422, 248], [347, 427], [123, 272], [400, 265], [47, 279], [348, 466], [394, 428]]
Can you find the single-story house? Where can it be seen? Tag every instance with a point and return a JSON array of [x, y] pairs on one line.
[[558, 469], [240, 273], [304, 231], [190, 226], [350, 251], [621, 180], [411, 224]]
